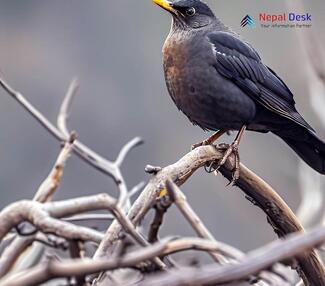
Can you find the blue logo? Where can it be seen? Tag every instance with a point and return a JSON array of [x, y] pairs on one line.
[[248, 21]]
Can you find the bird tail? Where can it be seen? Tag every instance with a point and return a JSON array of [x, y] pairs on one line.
[[309, 147]]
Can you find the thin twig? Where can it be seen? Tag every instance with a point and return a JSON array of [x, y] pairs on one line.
[[110, 168], [107, 217], [75, 253], [91, 157], [52, 182], [161, 207], [44, 194], [55, 269], [90, 217], [33, 111], [41, 216], [65, 108], [282, 218], [257, 260], [179, 199], [136, 189], [227, 254], [179, 172], [98, 162], [254, 262]]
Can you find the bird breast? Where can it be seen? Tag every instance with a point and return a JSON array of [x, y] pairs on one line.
[[174, 56], [179, 71], [186, 78], [198, 90]]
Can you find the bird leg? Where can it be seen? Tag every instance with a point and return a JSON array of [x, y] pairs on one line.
[[230, 149], [210, 140], [233, 149]]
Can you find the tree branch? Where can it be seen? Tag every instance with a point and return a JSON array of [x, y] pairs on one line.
[[41, 216], [279, 214], [110, 168], [281, 250], [44, 194], [280, 217], [180, 201], [161, 207], [226, 253], [62, 134], [256, 261]]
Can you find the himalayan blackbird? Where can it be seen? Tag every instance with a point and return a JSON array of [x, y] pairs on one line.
[[220, 83]]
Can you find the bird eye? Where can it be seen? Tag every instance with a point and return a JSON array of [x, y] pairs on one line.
[[190, 11]]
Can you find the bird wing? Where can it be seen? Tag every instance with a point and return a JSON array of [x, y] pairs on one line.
[[239, 62]]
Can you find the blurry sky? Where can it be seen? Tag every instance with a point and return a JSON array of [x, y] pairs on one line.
[[114, 48]]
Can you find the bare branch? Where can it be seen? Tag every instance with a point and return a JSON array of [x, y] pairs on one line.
[[98, 162], [154, 170], [126, 149], [110, 168], [279, 214], [136, 189], [32, 110], [280, 217], [226, 253], [75, 253], [39, 215], [281, 250], [180, 201], [90, 217], [64, 113], [51, 183], [254, 262], [44, 194], [161, 207], [55, 269], [45, 216], [130, 229], [179, 172]]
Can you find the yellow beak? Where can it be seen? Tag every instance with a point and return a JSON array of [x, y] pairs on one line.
[[164, 4]]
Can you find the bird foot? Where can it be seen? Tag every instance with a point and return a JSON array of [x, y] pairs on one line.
[[210, 140], [232, 149], [203, 143], [228, 151]]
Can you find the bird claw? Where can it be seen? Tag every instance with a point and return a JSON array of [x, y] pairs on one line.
[[229, 150], [203, 143], [235, 177], [209, 167], [232, 149], [223, 146], [210, 140]]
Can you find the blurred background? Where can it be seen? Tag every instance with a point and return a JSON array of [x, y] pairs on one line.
[[114, 49]]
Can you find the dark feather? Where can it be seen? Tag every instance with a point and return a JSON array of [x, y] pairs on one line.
[[239, 62]]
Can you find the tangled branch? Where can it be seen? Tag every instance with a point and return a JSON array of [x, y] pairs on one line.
[[252, 263], [152, 254]]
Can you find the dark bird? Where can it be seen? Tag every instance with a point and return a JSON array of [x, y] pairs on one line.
[[220, 83]]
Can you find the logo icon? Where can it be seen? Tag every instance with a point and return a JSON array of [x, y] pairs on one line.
[[248, 21]]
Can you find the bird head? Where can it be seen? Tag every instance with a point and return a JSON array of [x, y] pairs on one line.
[[188, 13]]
